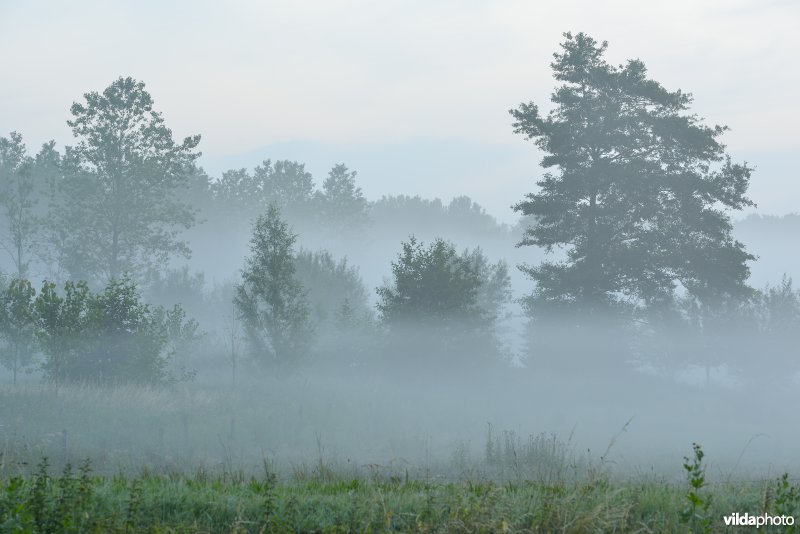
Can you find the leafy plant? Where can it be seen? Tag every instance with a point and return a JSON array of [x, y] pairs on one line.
[[17, 325], [696, 513], [787, 501], [112, 336], [270, 299]]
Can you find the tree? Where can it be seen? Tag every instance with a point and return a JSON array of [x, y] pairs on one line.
[[119, 210], [270, 300], [330, 285], [62, 323], [18, 200], [494, 292], [47, 177], [342, 205], [638, 193], [286, 184], [17, 325], [283, 183], [183, 337], [177, 286], [470, 218], [442, 305], [109, 337], [427, 219], [431, 284], [338, 307], [778, 310], [127, 338]]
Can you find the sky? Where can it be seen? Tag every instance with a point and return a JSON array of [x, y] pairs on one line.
[[413, 95]]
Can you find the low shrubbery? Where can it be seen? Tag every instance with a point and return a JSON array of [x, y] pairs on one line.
[[111, 336]]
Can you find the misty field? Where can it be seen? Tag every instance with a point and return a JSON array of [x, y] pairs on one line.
[[328, 452], [290, 334]]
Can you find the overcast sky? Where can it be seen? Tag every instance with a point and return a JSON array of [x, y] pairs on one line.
[[411, 94]]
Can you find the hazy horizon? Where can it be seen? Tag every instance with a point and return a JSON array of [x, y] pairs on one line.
[[422, 109]]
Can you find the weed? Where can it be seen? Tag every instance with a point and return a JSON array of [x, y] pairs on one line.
[[696, 513], [787, 500], [132, 517]]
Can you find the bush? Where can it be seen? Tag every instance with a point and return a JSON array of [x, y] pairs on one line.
[[108, 337]]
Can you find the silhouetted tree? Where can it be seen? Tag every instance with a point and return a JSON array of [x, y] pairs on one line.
[[62, 321], [780, 308], [329, 285], [286, 184], [119, 211], [237, 191], [338, 308], [637, 194], [442, 303], [778, 314], [342, 205], [469, 217], [128, 340], [415, 215], [109, 337], [431, 283], [17, 325], [494, 293], [270, 299], [19, 195], [48, 173], [183, 336]]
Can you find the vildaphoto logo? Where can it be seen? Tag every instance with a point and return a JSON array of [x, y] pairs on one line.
[[762, 520]]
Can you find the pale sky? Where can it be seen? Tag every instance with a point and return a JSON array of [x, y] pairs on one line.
[[411, 94]]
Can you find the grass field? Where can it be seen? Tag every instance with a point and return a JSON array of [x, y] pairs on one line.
[[325, 502], [301, 454]]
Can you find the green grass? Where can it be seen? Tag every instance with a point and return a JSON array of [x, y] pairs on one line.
[[192, 459], [80, 502]]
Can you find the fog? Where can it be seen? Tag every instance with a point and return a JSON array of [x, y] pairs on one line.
[[372, 400], [157, 316]]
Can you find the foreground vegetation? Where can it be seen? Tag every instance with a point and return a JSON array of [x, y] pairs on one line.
[[322, 501], [204, 450]]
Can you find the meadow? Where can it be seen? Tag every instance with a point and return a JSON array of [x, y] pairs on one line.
[[327, 502], [329, 452]]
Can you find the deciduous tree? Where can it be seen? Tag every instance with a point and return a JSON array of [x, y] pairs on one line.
[[119, 211], [17, 325], [19, 196], [270, 299], [442, 306]]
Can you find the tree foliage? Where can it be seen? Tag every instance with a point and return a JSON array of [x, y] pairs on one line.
[[332, 287], [118, 209], [126, 339], [270, 299], [19, 196], [415, 215], [108, 337], [62, 321], [442, 303], [284, 183], [637, 192], [342, 206], [17, 325], [431, 283]]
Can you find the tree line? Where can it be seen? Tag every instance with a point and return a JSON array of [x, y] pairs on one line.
[[634, 206]]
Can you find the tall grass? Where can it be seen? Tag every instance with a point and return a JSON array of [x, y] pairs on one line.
[[330, 502]]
